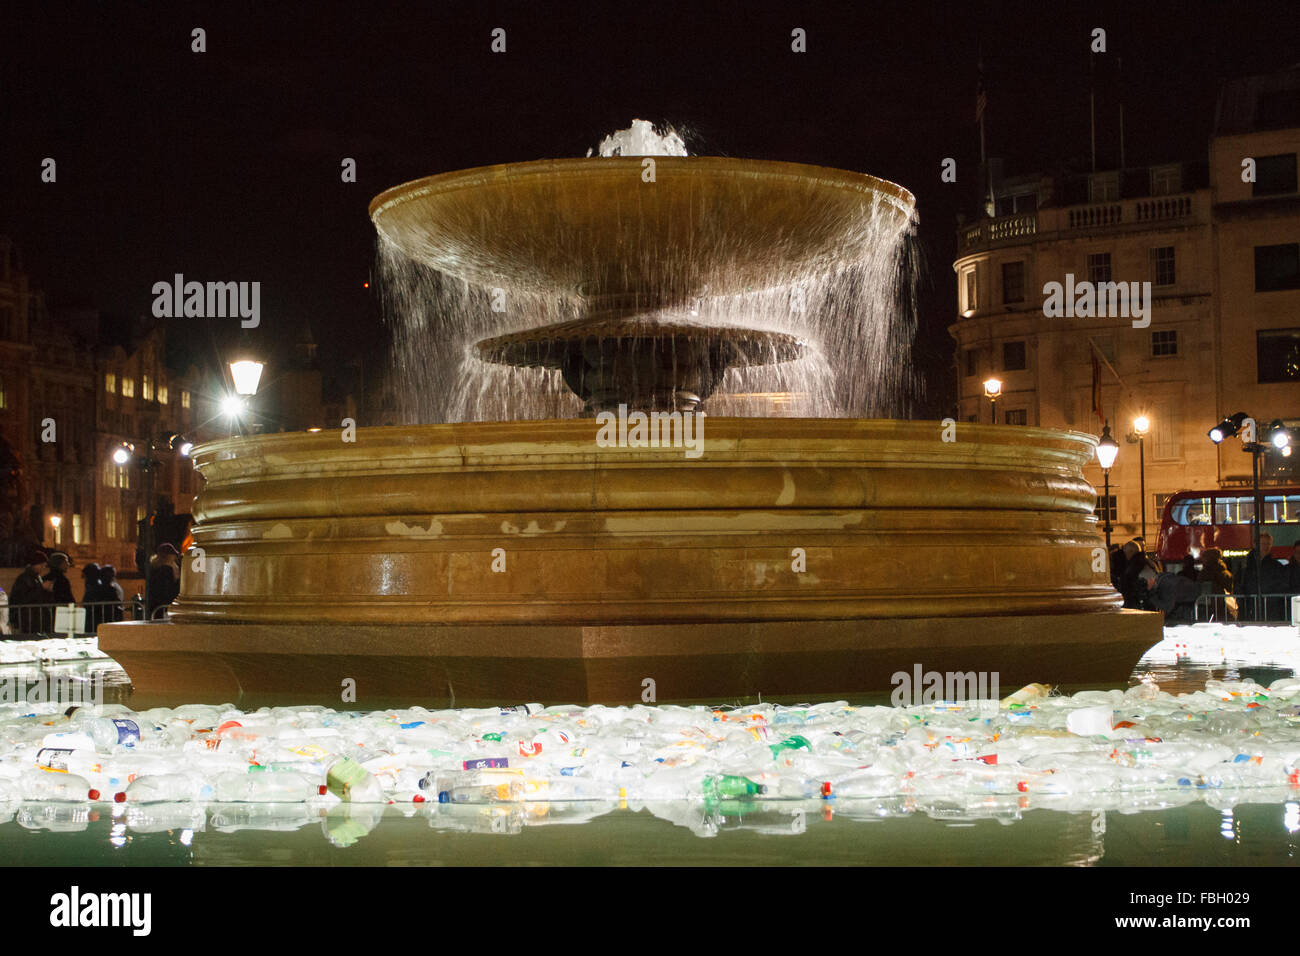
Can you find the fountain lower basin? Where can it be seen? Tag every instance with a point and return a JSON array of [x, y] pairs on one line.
[[507, 560]]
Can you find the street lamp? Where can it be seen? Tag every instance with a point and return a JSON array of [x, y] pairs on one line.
[[1141, 426], [992, 389], [1107, 449], [245, 373], [56, 521]]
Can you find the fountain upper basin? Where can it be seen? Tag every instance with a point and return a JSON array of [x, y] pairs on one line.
[[706, 225]]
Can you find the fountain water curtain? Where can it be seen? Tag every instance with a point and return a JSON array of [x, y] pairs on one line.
[[557, 289]]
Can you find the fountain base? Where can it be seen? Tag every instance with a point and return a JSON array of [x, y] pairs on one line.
[[471, 666]]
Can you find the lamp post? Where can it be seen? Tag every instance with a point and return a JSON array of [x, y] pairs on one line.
[[1278, 439], [245, 373], [992, 389], [1107, 449], [1142, 425], [56, 521]]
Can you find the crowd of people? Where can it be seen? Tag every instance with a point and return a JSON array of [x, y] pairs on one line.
[[44, 586], [1146, 585]]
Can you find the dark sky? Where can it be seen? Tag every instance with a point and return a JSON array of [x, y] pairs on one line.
[[225, 164]]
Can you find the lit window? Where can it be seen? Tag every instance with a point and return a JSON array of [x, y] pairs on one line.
[[110, 523], [139, 513], [162, 394], [185, 399], [128, 388], [970, 289], [110, 383], [78, 530], [146, 388]]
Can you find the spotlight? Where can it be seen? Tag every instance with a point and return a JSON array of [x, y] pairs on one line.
[[1279, 436], [232, 406], [1228, 428], [122, 453], [180, 443]]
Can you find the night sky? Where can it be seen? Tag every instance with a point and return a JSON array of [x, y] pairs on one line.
[[225, 165]]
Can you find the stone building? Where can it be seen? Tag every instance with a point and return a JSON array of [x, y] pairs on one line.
[[1221, 329]]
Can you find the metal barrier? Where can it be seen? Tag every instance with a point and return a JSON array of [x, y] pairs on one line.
[[78, 620], [1247, 609]]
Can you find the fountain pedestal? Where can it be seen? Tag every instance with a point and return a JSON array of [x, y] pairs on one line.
[[500, 561]]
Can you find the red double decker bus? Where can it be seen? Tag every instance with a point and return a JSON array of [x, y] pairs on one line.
[[1195, 520]]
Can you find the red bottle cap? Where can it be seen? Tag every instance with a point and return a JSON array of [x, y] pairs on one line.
[[119, 797], [93, 794]]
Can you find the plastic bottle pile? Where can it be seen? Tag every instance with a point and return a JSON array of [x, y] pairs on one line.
[[1032, 747], [54, 649]]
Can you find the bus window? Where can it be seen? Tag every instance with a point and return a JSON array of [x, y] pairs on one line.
[[1178, 512], [1273, 509]]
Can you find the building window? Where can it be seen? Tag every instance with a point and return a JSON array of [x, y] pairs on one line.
[[971, 290], [1277, 267], [1013, 356], [78, 530], [1166, 180], [1278, 352], [146, 388], [110, 383], [1099, 267], [1164, 342], [4, 395], [1105, 509], [110, 523], [1274, 175], [162, 394], [1020, 204], [58, 533], [1162, 266], [1165, 443], [972, 362], [1017, 416], [139, 513], [1013, 282], [128, 388], [1161, 499], [1103, 187], [185, 399]]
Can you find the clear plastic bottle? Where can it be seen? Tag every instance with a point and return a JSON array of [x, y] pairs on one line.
[[167, 788], [266, 787], [51, 787]]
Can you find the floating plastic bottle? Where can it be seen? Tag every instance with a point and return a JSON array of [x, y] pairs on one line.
[[266, 787], [167, 788], [44, 785], [352, 783]]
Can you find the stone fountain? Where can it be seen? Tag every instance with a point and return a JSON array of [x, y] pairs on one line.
[[486, 561]]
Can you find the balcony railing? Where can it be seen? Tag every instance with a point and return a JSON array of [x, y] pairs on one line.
[[1124, 212], [1000, 230]]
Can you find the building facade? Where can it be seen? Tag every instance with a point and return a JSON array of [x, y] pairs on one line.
[[69, 396], [1217, 330]]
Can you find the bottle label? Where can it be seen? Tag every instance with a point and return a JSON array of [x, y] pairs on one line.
[[50, 758], [128, 731], [486, 763]]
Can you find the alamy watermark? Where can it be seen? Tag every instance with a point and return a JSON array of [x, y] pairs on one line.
[[933, 687], [211, 300], [651, 430], [58, 688], [1086, 300]]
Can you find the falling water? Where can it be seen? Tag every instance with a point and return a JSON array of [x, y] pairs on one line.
[[856, 318]]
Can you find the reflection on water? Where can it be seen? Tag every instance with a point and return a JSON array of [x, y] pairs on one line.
[[808, 832], [1182, 826]]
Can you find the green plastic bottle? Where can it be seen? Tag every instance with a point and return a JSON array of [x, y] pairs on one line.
[[730, 785], [790, 743]]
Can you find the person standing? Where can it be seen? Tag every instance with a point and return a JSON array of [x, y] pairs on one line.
[[59, 567], [164, 578], [1266, 575], [1215, 574], [30, 597]]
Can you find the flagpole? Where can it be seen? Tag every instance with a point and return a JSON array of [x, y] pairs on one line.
[[1092, 107]]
